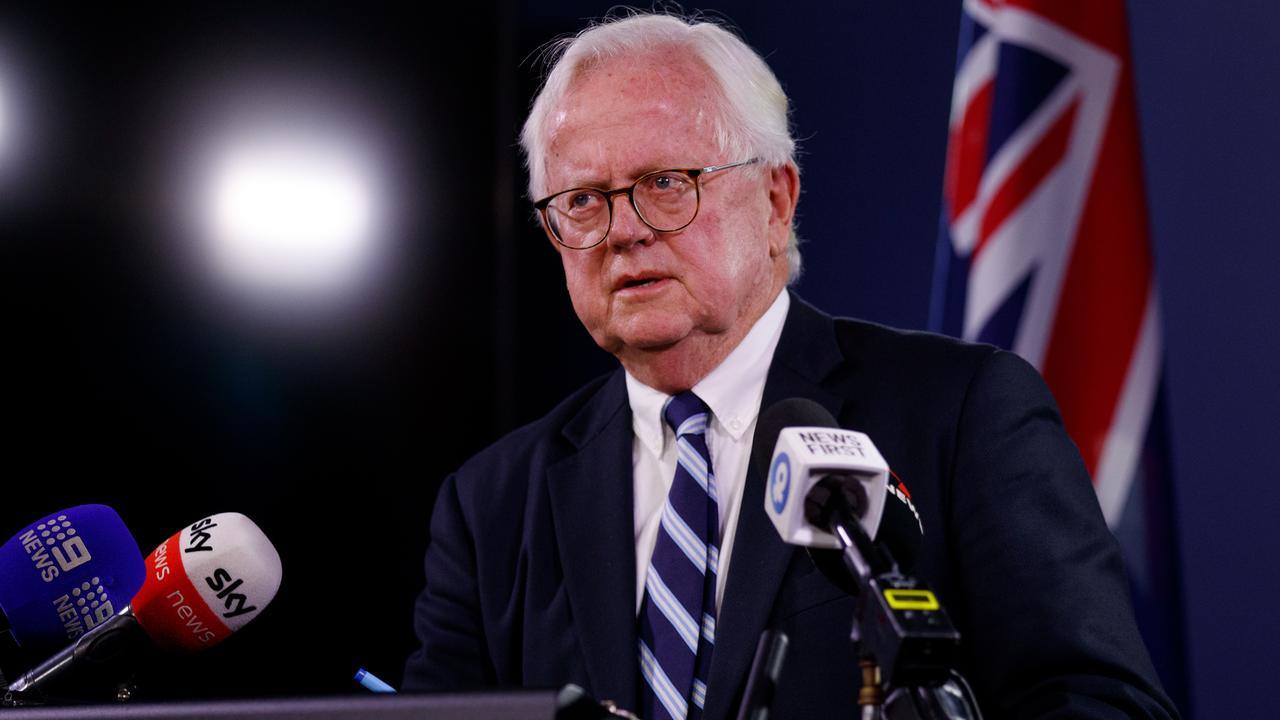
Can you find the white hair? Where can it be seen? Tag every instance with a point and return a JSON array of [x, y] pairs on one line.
[[750, 122]]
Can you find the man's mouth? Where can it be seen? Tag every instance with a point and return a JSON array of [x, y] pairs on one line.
[[638, 281]]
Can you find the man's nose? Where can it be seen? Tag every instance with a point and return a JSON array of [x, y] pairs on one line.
[[628, 229]]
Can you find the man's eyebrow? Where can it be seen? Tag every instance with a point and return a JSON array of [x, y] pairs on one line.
[[584, 179], [597, 184]]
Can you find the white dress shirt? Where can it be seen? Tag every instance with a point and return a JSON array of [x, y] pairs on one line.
[[733, 391]]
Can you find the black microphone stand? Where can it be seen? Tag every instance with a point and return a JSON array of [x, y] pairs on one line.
[[907, 643]]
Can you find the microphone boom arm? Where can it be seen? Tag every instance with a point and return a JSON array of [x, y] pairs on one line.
[[900, 623]]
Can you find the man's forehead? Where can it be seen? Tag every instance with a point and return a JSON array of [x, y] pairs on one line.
[[650, 121], [670, 81], [612, 148], [633, 114], [658, 66]]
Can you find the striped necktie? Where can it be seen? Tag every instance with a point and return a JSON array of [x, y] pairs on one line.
[[678, 616]]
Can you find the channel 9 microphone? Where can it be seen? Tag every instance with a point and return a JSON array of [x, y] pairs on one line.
[[67, 573], [204, 583]]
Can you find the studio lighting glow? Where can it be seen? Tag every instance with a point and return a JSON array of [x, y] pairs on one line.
[[4, 118], [295, 218], [276, 188], [26, 127]]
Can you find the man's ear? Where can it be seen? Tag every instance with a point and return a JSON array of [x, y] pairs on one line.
[[784, 193]]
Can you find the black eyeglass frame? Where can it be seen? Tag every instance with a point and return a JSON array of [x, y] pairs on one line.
[[694, 174]]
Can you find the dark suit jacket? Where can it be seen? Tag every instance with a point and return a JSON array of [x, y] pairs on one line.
[[531, 567]]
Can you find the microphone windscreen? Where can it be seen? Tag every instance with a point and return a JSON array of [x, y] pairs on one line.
[[66, 573], [206, 582], [792, 412], [900, 530]]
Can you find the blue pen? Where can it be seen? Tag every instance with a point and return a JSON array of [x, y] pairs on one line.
[[372, 682]]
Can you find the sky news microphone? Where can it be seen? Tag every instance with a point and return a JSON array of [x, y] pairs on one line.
[[204, 583], [67, 573], [207, 582]]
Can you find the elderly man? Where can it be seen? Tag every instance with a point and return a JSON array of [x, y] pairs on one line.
[[621, 543]]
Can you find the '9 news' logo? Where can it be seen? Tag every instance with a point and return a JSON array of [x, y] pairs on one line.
[[83, 608], [780, 482], [55, 548]]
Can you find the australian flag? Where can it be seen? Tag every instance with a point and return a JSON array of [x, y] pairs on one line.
[[1045, 250]]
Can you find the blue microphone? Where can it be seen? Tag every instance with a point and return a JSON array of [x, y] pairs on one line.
[[67, 573]]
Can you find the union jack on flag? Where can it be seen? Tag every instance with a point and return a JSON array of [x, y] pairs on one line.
[[1044, 250]]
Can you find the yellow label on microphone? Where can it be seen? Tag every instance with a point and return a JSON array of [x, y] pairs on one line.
[[911, 599]]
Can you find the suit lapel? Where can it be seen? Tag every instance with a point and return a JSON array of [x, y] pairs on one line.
[[806, 354], [591, 502], [592, 508]]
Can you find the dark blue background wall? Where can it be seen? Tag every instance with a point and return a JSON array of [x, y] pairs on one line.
[[1211, 124]]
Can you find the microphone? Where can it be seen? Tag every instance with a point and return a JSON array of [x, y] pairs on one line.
[[827, 480], [811, 449], [898, 528], [206, 582], [202, 584], [67, 573]]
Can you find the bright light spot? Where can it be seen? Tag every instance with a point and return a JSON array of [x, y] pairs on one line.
[[4, 118], [290, 218]]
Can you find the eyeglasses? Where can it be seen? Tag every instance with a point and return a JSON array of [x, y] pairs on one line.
[[666, 201]]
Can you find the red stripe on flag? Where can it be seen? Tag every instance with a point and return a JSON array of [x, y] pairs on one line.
[[967, 150], [1105, 290], [1028, 176], [1101, 23]]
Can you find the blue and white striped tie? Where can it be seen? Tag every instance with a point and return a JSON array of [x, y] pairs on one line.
[[678, 615]]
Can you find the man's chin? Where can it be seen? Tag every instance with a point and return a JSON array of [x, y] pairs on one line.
[[653, 343], [656, 335]]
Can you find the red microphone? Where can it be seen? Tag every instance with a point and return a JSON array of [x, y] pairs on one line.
[[206, 582]]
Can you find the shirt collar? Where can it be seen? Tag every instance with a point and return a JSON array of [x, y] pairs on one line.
[[732, 390]]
